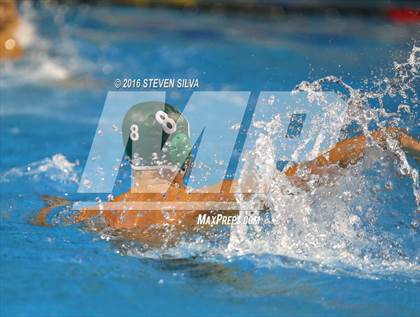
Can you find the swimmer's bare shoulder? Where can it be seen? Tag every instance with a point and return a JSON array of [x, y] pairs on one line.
[[201, 201]]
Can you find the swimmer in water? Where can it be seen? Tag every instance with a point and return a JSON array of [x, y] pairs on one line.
[[158, 210], [10, 47]]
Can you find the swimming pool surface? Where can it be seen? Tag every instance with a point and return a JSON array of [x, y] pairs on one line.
[[50, 103]]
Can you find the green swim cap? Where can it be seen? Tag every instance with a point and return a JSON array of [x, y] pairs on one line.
[[156, 134]]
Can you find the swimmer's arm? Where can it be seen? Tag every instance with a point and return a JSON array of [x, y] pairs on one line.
[[410, 145], [343, 154], [350, 151], [51, 202]]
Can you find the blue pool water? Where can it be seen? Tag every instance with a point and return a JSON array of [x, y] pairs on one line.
[[50, 103]]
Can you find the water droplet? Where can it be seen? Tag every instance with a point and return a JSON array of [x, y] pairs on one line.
[[87, 183], [389, 186]]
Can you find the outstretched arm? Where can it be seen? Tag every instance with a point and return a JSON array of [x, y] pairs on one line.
[[350, 151]]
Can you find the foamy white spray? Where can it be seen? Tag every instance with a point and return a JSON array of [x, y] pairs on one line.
[[336, 221]]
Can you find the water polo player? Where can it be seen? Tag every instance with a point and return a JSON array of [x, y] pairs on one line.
[[159, 208]]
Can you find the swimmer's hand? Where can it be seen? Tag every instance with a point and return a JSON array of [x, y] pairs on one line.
[[350, 151], [410, 145], [51, 202]]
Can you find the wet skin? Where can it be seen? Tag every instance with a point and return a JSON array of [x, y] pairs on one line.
[[157, 227]]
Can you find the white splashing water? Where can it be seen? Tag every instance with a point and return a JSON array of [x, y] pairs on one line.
[[338, 223], [56, 168]]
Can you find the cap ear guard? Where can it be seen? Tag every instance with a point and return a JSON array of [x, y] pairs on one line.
[[179, 148]]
